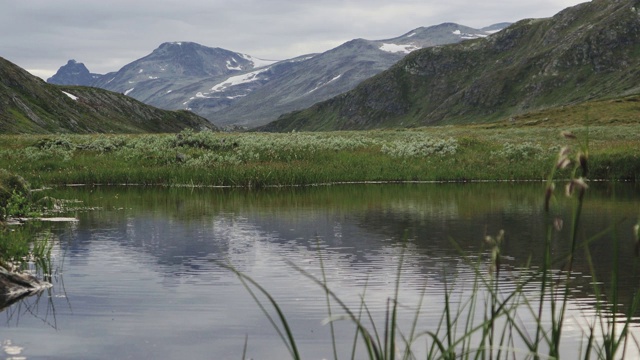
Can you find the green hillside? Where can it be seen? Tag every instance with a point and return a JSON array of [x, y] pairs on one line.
[[587, 52], [29, 105]]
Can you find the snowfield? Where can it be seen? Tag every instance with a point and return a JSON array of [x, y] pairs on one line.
[[237, 80], [394, 48]]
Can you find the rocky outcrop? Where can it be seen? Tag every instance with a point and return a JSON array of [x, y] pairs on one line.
[[15, 286], [73, 73]]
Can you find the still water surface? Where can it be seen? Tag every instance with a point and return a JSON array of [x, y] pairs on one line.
[[137, 276]]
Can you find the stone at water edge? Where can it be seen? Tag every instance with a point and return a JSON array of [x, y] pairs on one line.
[[15, 286]]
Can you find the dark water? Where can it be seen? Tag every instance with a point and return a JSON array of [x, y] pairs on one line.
[[138, 276]]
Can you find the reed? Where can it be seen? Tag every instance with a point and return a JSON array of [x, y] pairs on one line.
[[20, 245], [488, 324]]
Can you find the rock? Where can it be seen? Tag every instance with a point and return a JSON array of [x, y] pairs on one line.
[[16, 286]]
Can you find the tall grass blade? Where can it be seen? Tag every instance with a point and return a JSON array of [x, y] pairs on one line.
[[328, 299], [376, 350], [287, 337]]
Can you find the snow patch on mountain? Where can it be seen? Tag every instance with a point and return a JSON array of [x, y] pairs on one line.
[[237, 80], [396, 48], [73, 97], [258, 63], [324, 84], [128, 91], [231, 67], [466, 36]]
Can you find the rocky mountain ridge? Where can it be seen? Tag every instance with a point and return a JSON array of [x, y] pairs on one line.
[[30, 105], [74, 73], [589, 51], [231, 88]]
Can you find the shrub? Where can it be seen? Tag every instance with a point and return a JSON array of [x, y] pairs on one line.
[[522, 151], [421, 147], [14, 195]]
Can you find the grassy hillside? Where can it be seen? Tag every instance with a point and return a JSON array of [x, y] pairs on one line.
[[590, 51], [29, 105], [522, 148]]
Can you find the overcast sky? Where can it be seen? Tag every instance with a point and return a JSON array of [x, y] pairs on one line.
[[41, 35]]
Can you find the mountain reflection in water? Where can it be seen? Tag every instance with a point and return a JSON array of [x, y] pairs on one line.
[[138, 276]]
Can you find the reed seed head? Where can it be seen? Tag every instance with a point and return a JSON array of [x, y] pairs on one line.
[[576, 184], [583, 160], [568, 189], [558, 223], [563, 158], [547, 196]]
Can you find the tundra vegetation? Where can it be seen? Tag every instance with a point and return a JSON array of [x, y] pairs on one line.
[[447, 153]]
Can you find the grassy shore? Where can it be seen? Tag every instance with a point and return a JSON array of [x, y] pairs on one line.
[[21, 245], [448, 153]]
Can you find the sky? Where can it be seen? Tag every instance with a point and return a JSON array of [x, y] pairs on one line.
[[42, 35]]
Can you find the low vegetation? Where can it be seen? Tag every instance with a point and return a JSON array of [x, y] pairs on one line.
[[447, 153], [21, 244]]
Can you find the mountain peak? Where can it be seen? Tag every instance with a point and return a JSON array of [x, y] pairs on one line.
[[235, 88], [180, 45], [30, 105], [73, 73]]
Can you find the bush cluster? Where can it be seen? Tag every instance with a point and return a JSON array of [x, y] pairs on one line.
[[15, 195], [522, 151], [421, 147]]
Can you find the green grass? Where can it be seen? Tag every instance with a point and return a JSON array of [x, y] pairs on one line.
[[26, 243], [448, 153]]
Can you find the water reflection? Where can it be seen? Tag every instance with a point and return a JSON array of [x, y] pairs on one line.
[[142, 281]]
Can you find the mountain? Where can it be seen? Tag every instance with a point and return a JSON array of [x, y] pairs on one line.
[[73, 73], [29, 105], [231, 88], [589, 51], [300, 83]]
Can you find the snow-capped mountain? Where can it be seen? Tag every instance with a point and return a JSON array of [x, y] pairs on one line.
[[231, 88], [176, 66]]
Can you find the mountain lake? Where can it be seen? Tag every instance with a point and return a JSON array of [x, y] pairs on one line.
[[138, 275]]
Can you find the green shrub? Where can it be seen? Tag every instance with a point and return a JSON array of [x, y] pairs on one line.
[[15, 195], [521, 151]]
